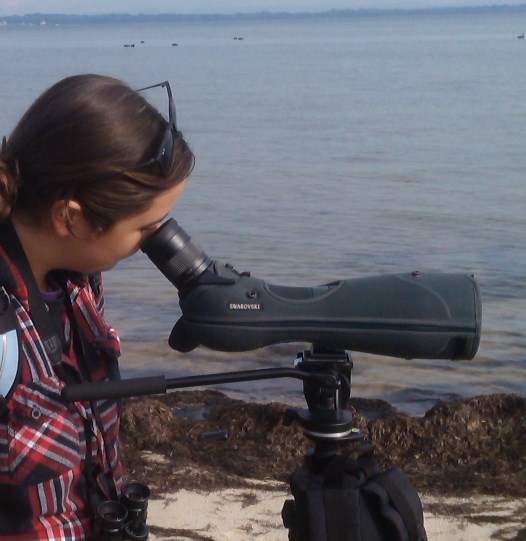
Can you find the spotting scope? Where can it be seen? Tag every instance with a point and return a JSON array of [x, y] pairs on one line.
[[408, 315]]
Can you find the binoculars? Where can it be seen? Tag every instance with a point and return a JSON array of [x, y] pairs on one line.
[[124, 520]]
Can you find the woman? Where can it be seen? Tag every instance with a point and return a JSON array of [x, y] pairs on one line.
[[88, 173]]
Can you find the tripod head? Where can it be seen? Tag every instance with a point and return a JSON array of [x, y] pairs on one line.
[[326, 419], [326, 422]]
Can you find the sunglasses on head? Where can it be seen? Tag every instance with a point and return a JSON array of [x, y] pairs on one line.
[[165, 156]]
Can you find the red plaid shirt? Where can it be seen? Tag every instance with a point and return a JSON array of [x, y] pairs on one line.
[[43, 442]]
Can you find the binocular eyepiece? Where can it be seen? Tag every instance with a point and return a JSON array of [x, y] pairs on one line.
[[124, 520]]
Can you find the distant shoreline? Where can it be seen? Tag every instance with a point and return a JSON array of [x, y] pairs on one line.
[[116, 18]]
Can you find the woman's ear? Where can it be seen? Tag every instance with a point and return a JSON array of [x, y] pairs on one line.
[[68, 219]]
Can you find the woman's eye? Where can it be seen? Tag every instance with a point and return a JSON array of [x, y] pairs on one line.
[[150, 228]]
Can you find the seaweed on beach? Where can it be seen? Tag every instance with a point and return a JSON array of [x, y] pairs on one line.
[[473, 446]]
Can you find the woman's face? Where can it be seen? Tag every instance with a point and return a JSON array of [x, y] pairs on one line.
[[97, 252]]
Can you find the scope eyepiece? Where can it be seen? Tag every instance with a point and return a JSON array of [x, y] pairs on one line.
[[172, 251]]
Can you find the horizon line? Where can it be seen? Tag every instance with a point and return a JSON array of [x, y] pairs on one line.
[[266, 13]]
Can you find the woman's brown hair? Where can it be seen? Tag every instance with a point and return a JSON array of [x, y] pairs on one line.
[[85, 139]]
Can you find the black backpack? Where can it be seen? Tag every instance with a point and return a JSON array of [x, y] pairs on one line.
[[353, 500]]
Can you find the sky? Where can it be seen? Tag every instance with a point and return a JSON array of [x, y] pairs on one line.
[[21, 7]]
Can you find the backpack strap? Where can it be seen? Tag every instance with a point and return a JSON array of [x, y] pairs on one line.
[[342, 514], [399, 502], [389, 496], [344, 476]]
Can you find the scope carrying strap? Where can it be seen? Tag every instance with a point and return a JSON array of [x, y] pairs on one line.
[[353, 500]]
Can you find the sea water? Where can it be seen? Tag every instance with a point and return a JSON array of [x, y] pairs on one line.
[[327, 148]]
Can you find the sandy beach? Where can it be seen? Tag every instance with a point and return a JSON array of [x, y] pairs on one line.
[[255, 513]]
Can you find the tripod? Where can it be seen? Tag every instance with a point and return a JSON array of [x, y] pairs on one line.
[[334, 499]]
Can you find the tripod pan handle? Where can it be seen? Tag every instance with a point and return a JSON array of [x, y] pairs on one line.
[[115, 389]]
